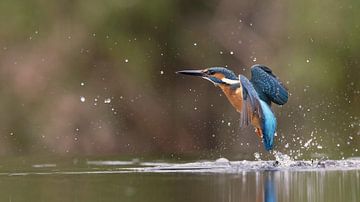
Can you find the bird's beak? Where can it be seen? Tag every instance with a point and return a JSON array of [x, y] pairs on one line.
[[199, 73]]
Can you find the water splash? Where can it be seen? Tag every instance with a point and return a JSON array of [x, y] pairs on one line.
[[222, 165], [282, 160], [257, 156], [252, 166]]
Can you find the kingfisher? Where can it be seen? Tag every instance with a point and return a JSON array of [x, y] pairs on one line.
[[251, 98]]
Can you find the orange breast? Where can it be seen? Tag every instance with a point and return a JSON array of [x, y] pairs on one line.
[[234, 96], [236, 99]]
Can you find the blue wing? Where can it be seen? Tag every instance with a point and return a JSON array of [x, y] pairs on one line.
[[250, 104], [268, 86], [268, 125]]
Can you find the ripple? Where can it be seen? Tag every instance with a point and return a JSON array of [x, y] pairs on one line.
[[221, 165], [240, 166]]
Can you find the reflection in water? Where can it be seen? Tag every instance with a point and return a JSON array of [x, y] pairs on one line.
[[272, 186], [265, 184], [211, 182], [269, 187], [246, 186]]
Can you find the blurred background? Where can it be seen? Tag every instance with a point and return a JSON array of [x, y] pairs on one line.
[[96, 78]]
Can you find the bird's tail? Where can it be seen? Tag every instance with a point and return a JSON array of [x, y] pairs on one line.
[[268, 125]]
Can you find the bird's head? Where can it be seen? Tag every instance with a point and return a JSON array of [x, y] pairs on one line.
[[217, 75]]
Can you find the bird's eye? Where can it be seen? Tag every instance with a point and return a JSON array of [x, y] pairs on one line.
[[206, 72], [209, 72]]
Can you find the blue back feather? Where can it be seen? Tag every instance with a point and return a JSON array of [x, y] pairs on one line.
[[268, 125]]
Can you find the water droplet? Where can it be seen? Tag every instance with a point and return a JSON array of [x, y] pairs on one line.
[[82, 84], [82, 99], [257, 156], [229, 124], [231, 53], [307, 143], [195, 44], [307, 60], [126, 60], [161, 72], [107, 100], [254, 59]]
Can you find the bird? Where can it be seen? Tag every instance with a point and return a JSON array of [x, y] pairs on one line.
[[251, 98]]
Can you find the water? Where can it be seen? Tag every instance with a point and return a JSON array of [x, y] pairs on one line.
[[220, 180]]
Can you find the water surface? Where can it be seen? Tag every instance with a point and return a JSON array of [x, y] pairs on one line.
[[221, 180]]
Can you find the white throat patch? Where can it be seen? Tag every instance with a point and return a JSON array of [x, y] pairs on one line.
[[230, 81]]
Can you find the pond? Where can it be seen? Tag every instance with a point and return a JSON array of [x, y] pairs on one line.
[[220, 180]]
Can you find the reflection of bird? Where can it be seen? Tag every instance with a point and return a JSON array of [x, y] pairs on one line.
[[252, 99], [269, 187]]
